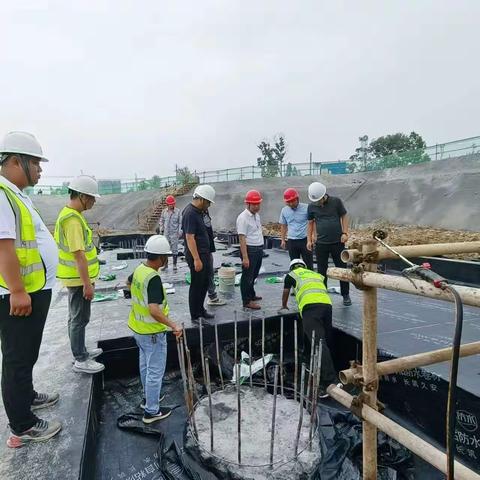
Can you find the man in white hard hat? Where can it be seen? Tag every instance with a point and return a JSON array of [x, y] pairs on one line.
[[150, 322], [78, 268], [197, 250], [315, 308], [28, 263], [329, 216]]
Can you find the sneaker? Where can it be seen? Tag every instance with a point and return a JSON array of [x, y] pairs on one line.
[[252, 305], [207, 315], [88, 366], [164, 412], [347, 300], [322, 392], [44, 400], [40, 432], [216, 301], [142, 405], [94, 353]]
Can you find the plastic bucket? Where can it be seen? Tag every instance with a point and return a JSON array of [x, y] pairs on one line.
[[226, 280]]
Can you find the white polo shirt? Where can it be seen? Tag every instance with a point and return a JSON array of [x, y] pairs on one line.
[[250, 225], [46, 243]]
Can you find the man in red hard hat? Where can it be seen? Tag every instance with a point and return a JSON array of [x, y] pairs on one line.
[[249, 229], [170, 225], [294, 221]]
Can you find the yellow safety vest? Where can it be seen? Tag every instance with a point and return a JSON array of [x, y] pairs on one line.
[[140, 319], [309, 288], [67, 266], [32, 268]]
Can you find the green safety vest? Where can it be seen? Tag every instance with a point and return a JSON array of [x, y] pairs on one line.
[[140, 319], [309, 288], [32, 268], [67, 266]]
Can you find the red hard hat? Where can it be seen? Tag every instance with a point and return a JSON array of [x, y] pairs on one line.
[[253, 196], [290, 194], [170, 200]]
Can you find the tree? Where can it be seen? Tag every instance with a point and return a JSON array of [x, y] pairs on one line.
[[272, 157], [184, 176], [395, 150]]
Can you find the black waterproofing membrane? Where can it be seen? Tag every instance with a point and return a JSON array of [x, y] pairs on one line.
[[159, 451]]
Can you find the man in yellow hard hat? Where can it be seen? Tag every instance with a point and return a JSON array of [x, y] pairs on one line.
[[28, 262]]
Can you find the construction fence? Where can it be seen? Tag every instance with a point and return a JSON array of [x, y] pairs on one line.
[[455, 149]]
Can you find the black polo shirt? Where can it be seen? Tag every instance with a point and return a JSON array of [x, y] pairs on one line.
[[193, 223], [327, 219]]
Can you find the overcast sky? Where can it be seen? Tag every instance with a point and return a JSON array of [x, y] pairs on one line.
[[118, 88]]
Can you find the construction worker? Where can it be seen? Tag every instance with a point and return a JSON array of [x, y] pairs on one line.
[[150, 322], [213, 298], [329, 216], [315, 309], [78, 268], [28, 263], [170, 225], [293, 223], [249, 229], [197, 250]]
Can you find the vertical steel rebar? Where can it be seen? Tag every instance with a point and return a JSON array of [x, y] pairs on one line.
[[202, 355], [300, 416], [235, 333], [312, 401], [192, 391], [210, 409], [295, 346], [250, 348], [239, 417], [217, 349], [281, 356], [263, 352], [274, 413], [181, 362]]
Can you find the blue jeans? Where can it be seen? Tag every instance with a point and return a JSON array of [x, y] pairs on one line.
[[152, 351]]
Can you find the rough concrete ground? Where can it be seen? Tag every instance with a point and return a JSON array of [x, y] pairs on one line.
[[443, 193], [256, 427]]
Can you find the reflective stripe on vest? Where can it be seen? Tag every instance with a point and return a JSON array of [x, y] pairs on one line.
[[309, 288], [32, 269], [140, 320], [67, 266]]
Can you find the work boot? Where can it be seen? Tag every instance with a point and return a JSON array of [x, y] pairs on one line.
[[164, 412], [217, 301], [252, 305], [347, 301], [88, 366], [40, 432], [44, 400], [256, 298]]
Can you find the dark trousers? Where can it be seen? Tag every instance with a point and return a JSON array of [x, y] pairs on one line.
[[255, 255], [318, 317], [21, 338], [323, 251], [78, 318], [298, 249], [198, 285]]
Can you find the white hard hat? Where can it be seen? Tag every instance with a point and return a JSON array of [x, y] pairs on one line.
[[22, 143], [85, 184], [297, 261], [316, 191], [158, 244], [206, 192]]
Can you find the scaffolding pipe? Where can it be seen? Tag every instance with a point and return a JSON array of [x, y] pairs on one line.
[[409, 251], [412, 361], [420, 447], [369, 362], [469, 295]]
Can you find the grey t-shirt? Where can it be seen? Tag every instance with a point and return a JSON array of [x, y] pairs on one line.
[[327, 219]]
